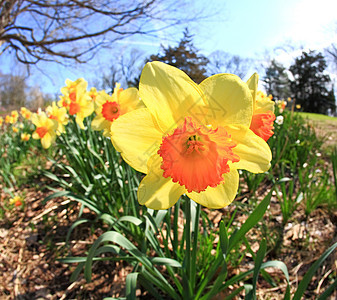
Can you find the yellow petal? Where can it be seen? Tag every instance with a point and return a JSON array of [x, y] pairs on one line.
[[36, 120], [100, 123], [137, 137], [220, 196], [46, 140], [229, 99], [169, 94], [79, 120], [252, 83], [129, 100], [254, 152], [35, 136], [156, 191], [101, 98]]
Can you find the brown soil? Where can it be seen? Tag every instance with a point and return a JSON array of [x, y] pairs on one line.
[[33, 238]]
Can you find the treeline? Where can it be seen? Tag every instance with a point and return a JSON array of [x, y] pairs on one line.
[[306, 81]]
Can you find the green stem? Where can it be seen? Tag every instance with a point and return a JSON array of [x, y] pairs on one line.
[[195, 246], [188, 265]]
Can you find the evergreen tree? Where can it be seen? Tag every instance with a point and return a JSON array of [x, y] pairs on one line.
[[277, 81], [310, 86], [184, 57]]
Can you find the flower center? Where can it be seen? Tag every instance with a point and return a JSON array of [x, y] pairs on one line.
[[74, 108], [262, 124], [110, 110], [41, 131], [53, 117], [196, 156]]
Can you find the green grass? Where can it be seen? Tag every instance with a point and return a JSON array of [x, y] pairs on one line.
[[316, 117]]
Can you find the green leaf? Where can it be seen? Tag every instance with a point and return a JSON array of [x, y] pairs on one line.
[[165, 261], [131, 286], [77, 272], [308, 276], [258, 262], [224, 243], [73, 226], [235, 293], [328, 291], [252, 220]]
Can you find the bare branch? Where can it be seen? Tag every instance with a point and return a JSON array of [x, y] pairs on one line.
[[71, 29]]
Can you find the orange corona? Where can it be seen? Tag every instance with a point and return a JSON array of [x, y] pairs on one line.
[[110, 110], [196, 156], [262, 124]]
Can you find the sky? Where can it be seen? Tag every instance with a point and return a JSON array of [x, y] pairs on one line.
[[252, 29]]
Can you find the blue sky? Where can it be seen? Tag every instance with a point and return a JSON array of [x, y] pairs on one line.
[[247, 28]]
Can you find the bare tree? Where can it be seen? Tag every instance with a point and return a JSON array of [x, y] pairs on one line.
[[331, 54], [224, 62], [13, 90], [49, 30]]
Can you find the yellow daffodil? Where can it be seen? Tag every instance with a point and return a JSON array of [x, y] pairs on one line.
[[109, 108], [17, 201], [45, 129], [298, 106], [263, 110], [72, 88], [64, 102], [77, 100], [15, 114], [93, 94], [25, 136], [1, 121], [8, 119], [59, 114], [191, 139], [82, 107], [25, 113], [15, 129]]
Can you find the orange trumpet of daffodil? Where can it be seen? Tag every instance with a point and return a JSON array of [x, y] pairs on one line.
[[45, 129], [109, 108], [263, 110], [191, 139]]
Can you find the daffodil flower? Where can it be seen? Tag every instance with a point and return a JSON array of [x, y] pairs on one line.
[[45, 129], [59, 114], [73, 88], [25, 113], [263, 110], [25, 136], [82, 107], [191, 139], [77, 100], [8, 119], [109, 108], [17, 201]]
